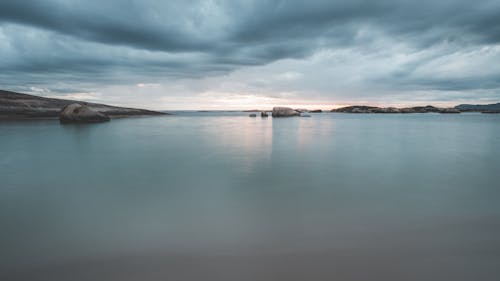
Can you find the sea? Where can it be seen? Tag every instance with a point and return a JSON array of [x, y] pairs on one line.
[[223, 196]]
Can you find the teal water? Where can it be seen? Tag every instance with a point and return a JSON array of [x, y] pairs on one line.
[[221, 196]]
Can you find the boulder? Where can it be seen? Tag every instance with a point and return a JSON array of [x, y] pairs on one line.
[[77, 113], [263, 114], [284, 112]]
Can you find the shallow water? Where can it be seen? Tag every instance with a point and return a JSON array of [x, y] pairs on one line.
[[221, 196]]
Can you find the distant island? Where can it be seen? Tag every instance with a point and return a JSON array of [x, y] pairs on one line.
[[487, 108], [15, 106]]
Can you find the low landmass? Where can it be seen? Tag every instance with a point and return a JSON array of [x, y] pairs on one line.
[[485, 108], [374, 109], [14, 106], [489, 108]]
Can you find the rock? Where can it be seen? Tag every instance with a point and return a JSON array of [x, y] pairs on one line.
[[263, 114], [407, 110], [300, 110], [449, 110], [16, 106], [77, 113], [355, 109], [252, 115], [385, 110], [284, 112], [392, 110], [315, 111], [425, 109]]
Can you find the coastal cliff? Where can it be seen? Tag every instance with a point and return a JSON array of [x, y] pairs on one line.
[[23, 106]]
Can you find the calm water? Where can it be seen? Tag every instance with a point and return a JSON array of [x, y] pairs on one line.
[[221, 196]]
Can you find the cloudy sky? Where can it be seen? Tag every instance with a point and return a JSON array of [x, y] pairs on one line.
[[253, 53]]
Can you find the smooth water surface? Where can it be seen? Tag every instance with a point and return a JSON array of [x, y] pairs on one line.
[[221, 196]]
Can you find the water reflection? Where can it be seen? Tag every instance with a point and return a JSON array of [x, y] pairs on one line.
[[246, 141]]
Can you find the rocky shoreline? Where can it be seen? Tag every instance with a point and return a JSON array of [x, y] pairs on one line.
[[488, 108], [374, 109], [17, 106], [291, 112]]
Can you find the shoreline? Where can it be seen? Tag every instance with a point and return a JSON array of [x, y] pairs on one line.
[[18, 106]]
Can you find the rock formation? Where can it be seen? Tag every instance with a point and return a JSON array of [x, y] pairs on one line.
[[77, 113], [374, 109], [22, 106], [449, 110], [284, 112]]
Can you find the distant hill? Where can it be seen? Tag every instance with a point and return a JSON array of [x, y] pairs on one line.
[[479, 107], [23, 106]]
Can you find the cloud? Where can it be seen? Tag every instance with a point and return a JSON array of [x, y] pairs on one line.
[[318, 50]]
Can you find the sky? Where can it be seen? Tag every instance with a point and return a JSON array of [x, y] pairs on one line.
[[252, 53]]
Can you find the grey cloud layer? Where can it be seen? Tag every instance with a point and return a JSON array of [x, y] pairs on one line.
[[100, 41]]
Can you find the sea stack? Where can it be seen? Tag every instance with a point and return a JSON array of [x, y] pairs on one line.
[[284, 112], [77, 113], [263, 114]]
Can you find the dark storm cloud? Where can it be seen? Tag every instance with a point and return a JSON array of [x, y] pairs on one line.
[[180, 26], [107, 40], [113, 22]]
